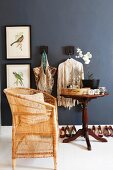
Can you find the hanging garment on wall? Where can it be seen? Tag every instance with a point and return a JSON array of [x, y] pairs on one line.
[[70, 73], [44, 75]]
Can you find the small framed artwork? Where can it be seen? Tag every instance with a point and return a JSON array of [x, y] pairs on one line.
[[18, 42], [18, 75]]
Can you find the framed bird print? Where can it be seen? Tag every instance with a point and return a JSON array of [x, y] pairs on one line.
[[18, 75], [18, 44]]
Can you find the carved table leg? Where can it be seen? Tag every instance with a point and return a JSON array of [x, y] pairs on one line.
[[87, 141], [79, 133], [91, 133]]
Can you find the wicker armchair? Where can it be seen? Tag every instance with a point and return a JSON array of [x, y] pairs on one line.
[[35, 124]]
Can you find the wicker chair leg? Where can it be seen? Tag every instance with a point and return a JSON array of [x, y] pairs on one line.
[[13, 164], [55, 163]]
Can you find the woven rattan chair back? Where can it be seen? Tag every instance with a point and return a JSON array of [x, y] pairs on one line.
[[34, 124]]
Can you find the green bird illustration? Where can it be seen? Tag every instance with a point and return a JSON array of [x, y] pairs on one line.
[[19, 40], [19, 78]]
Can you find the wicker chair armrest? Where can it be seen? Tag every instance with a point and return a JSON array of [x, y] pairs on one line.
[[49, 95], [37, 102], [49, 98]]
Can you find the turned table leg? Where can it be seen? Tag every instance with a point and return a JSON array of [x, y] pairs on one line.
[[85, 124]]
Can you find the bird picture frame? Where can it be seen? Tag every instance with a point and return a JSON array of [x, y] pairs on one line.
[[18, 75], [18, 42]]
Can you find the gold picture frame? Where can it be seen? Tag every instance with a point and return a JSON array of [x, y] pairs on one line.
[[18, 42], [18, 75]]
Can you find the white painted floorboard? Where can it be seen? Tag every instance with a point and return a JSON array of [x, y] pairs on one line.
[[71, 156]]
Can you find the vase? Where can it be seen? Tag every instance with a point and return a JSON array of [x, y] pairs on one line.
[[93, 84]]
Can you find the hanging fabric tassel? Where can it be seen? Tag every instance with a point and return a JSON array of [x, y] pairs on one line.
[[44, 61]]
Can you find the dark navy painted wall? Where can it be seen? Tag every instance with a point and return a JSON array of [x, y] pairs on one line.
[[87, 24]]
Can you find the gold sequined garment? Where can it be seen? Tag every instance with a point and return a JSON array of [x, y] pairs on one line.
[[44, 80]]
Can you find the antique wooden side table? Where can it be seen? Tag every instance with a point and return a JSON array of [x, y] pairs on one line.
[[85, 131]]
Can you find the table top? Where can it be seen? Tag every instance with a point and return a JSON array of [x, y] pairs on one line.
[[68, 94]]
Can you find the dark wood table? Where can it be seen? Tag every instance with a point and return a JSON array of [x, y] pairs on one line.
[[85, 131]]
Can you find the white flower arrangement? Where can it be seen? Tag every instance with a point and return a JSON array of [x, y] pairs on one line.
[[86, 58]]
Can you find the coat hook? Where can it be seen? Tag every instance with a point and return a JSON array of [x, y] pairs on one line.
[[69, 50], [42, 49]]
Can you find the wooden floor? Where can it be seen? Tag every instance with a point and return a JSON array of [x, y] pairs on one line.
[[71, 156]]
